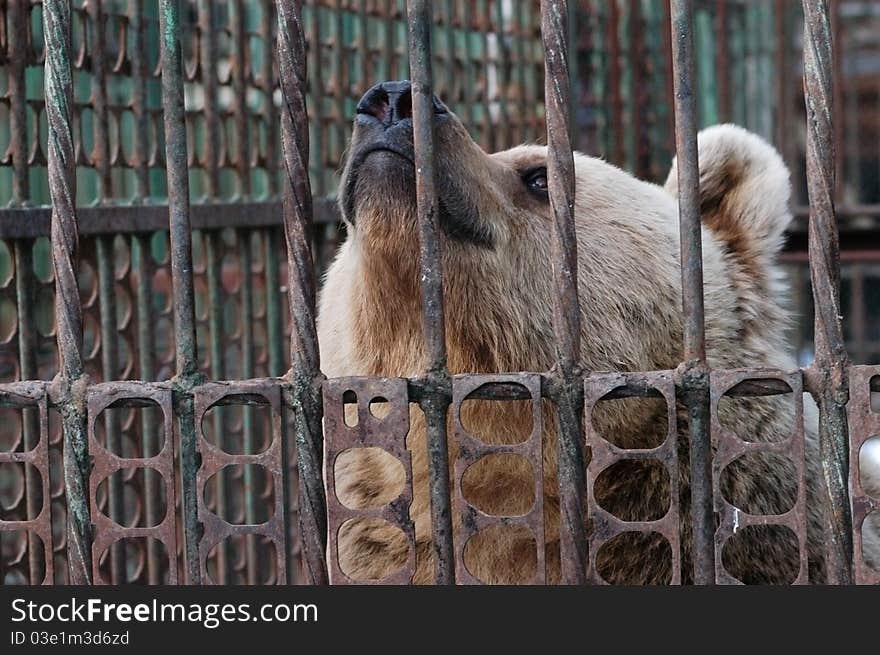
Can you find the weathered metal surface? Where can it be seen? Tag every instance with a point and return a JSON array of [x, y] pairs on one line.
[[693, 370], [213, 460], [604, 525], [388, 433], [566, 306], [864, 424], [183, 301], [68, 312], [829, 372], [107, 461], [431, 276], [32, 222], [305, 372], [38, 519], [471, 450], [731, 446]]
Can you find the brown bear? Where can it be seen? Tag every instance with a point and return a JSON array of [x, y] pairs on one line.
[[496, 233]]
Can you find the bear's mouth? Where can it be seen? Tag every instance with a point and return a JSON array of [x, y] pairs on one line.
[[459, 218]]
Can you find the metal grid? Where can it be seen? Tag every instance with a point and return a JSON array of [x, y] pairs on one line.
[[204, 118]]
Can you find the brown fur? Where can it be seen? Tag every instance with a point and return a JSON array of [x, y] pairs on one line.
[[498, 318]]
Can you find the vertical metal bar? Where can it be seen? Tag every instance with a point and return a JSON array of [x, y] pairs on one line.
[[389, 30], [272, 247], [838, 115], [670, 83], [208, 65], [305, 372], [639, 92], [72, 381], [140, 252], [722, 61], [857, 318], [24, 274], [453, 83], [615, 99], [138, 103], [251, 491], [829, 371], [267, 84], [212, 242], [100, 160], [522, 64], [274, 324], [363, 47], [470, 88], [17, 92], [187, 373], [502, 37], [779, 14], [566, 307], [694, 371], [239, 86], [484, 24], [109, 338], [434, 405], [316, 86]]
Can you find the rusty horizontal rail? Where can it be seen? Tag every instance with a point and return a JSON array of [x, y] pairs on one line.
[[33, 222], [629, 385]]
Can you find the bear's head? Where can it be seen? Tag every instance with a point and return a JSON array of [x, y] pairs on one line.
[[496, 235], [495, 221]]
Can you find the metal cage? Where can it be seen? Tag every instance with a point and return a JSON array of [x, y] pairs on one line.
[[199, 422]]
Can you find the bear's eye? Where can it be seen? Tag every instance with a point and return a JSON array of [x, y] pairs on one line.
[[536, 181]]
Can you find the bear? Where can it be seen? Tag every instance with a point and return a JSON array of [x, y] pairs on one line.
[[495, 223]]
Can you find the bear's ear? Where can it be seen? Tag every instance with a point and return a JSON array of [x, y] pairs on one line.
[[744, 193]]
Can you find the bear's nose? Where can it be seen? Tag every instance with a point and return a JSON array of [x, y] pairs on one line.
[[391, 102]]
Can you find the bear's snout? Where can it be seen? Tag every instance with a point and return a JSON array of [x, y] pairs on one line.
[[390, 103], [380, 168]]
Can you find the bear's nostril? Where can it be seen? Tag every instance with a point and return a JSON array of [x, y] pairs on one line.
[[402, 104], [375, 104]]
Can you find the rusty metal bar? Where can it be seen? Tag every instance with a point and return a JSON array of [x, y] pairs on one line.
[[100, 161], [482, 22], [24, 275], [781, 24], [239, 86], [669, 82], [830, 370], [838, 115], [502, 30], [267, 85], [615, 97], [251, 493], [208, 65], [213, 256], [694, 371], [16, 64], [68, 312], [722, 61], [21, 223], [434, 406], [639, 94], [140, 252], [566, 307], [187, 374], [138, 99], [305, 371]]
